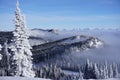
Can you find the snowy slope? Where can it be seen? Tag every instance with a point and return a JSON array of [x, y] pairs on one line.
[[40, 36], [59, 47]]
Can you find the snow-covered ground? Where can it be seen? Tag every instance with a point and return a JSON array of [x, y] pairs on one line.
[[68, 72], [104, 79], [21, 78]]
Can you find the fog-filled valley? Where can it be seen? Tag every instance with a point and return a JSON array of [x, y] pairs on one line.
[[110, 37]]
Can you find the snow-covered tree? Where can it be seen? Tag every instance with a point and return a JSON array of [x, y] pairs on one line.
[[6, 56], [106, 70], [96, 71], [115, 70], [89, 71], [0, 50], [101, 71], [21, 60], [0, 47], [80, 75], [110, 71]]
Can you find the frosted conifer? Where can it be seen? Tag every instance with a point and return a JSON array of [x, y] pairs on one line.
[[96, 71], [111, 72], [5, 56], [21, 60], [0, 54]]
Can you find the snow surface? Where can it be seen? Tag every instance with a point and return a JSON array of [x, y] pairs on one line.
[[102, 79], [68, 72], [21, 78]]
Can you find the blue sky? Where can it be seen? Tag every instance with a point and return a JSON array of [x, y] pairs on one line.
[[62, 14]]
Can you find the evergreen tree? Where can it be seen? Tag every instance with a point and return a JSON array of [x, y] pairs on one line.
[[101, 70], [0, 47], [106, 70], [115, 71], [21, 61], [96, 71], [111, 72], [6, 56], [80, 75], [0, 51], [89, 72], [41, 72]]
